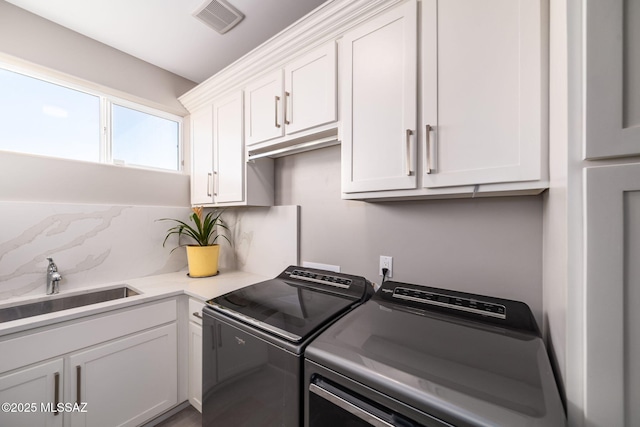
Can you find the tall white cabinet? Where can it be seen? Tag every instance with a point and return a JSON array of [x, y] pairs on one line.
[[612, 291], [610, 350], [612, 72]]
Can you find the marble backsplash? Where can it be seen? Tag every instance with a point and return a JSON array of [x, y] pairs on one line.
[[95, 244], [91, 244]]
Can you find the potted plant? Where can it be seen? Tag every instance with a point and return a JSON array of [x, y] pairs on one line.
[[202, 256]]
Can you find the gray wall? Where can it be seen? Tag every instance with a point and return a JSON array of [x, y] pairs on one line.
[[490, 246], [35, 39]]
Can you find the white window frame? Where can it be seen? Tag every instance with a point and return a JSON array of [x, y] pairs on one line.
[[106, 102]]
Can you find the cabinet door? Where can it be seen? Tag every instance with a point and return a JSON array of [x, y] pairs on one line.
[[263, 115], [482, 77], [202, 156], [612, 78], [228, 150], [125, 382], [39, 384], [195, 365], [612, 293], [310, 90], [379, 103]]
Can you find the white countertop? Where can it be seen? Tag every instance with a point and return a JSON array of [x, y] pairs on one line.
[[151, 288]]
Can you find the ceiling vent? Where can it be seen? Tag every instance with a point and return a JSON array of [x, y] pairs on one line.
[[219, 15]]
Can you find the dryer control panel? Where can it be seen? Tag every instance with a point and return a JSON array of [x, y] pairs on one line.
[[470, 305], [499, 311]]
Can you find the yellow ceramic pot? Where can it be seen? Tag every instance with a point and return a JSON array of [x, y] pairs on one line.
[[203, 260]]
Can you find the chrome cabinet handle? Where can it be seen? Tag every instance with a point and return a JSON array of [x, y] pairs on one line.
[[408, 136], [209, 180], [276, 111], [197, 314], [427, 149], [78, 384], [56, 392], [287, 96], [215, 183]]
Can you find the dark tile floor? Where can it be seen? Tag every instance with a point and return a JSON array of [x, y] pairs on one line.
[[188, 417]]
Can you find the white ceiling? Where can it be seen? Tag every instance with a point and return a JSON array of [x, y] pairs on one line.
[[164, 32]]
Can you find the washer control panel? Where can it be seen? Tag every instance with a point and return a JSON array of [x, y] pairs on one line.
[[323, 278]]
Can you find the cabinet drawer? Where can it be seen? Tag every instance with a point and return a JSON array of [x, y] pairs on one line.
[[195, 311]]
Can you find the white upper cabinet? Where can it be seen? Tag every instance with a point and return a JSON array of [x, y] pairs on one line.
[[378, 102], [612, 64], [228, 147], [298, 99], [264, 109], [202, 156], [219, 174], [483, 92], [310, 90]]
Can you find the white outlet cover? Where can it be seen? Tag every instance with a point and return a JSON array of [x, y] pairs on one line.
[[319, 266], [388, 262]]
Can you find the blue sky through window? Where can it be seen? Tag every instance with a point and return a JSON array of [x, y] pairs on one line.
[[143, 139], [39, 117]]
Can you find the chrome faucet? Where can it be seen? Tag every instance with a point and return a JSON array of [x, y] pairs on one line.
[[53, 278]]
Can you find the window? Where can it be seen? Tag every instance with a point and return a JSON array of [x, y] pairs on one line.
[[143, 139], [52, 119]]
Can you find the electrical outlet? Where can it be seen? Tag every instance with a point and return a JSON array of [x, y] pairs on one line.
[[386, 262]]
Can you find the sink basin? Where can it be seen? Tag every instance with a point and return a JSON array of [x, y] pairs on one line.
[[64, 303]]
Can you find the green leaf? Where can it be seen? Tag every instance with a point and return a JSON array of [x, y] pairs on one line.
[[202, 232]]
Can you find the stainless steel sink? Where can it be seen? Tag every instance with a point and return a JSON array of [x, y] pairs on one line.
[[64, 303]]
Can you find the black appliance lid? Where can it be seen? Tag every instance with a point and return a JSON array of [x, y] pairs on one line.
[[296, 303], [463, 371]]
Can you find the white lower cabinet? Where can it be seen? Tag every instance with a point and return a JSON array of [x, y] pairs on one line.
[[125, 382], [113, 369], [39, 385], [195, 354]]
